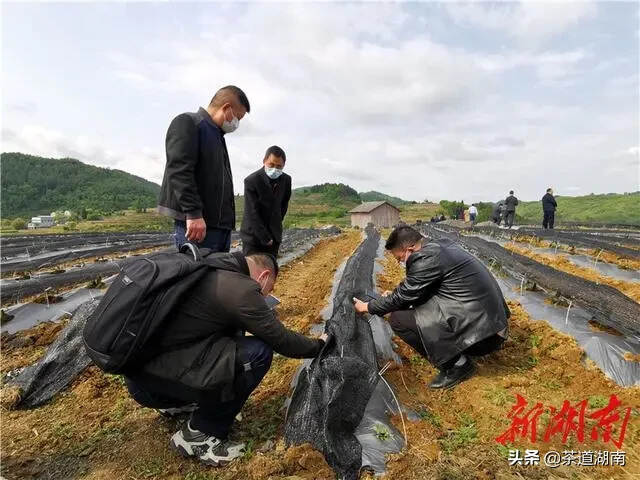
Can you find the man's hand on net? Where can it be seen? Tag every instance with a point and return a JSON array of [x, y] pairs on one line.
[[360, 306]]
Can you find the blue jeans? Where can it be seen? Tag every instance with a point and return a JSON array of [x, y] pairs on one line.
[[217, 239], [213, 417]]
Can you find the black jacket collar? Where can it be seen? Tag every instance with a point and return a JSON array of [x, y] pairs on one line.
[[207, 118]]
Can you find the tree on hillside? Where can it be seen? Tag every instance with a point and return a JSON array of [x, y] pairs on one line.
[[19, 224], [32, 185]]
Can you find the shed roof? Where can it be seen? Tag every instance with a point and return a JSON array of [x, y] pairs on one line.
[[367, 207]]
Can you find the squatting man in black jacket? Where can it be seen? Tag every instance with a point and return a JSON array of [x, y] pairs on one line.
[[202, 362], [266, 199], [448, 307], [197, 188]]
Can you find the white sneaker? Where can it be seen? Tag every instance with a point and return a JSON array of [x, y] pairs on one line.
[[207, 448], [177, 411]]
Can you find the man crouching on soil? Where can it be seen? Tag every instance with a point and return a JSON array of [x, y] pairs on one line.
[[201, 363], [448, 307]]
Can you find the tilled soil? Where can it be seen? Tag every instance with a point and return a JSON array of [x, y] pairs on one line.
[[630, 289], [455, 436], [96, 431]]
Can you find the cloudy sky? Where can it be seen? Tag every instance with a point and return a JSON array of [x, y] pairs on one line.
[[418, 100]]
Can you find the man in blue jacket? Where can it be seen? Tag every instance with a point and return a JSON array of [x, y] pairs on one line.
[[197, 188]]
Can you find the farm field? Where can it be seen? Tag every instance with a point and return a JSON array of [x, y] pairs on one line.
[[94, 430]]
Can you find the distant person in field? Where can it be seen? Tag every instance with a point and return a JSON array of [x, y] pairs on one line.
[[448, 307], [197, 188], [473, 213], [266, 199], [510, 209], [549, 206], [496, 213]]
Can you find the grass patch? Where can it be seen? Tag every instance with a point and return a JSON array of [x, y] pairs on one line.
[[499, 396], [535, 340], [149, 468], [430, 416], [464, 435], [598, 401]]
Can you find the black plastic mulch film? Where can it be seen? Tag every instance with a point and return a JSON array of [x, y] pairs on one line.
[[66, 358], [332, 394]]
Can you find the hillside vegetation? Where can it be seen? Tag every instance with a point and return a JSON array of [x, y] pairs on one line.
[[610, 208], [35, 185], [374, 196], [112, 200]]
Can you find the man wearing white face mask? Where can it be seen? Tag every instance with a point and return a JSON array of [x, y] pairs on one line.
[[266, 199], [197, 188]]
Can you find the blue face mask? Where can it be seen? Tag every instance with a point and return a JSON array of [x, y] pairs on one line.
[[273, 173]]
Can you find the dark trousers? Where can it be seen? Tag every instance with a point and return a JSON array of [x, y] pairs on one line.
[[472, 217], [213, 417], [250, 247], [508, 218], [548, 219], [217, 239], [404, 325]]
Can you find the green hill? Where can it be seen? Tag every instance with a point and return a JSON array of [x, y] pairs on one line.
[[321, 204], [35, 185], [374, 196], [610, 208]]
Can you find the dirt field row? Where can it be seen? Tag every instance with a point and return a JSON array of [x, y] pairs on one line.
[[559, 262], [455, 439], [609, 257], [95, 431]]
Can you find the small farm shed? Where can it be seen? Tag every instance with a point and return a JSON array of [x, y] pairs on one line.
[[381, 214]]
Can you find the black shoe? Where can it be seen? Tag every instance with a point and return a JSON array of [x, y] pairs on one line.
[[454, 375]]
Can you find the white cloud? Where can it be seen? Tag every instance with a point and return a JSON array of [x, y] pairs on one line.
[[372, 96], [530, 22]]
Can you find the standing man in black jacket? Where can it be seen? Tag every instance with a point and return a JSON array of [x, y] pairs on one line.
[[202, 363], [549, 206], [448, 307], [266, 199], [510, 203], [197, 188]]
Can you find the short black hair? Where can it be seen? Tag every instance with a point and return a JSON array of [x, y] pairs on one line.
[[276, 151], [510, 192], [225, 94], [403, 236], [548, 190], [265, 260]]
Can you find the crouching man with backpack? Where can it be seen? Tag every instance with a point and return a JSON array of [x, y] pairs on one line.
[[200, 360]]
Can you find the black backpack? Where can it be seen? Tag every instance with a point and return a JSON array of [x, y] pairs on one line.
[[138, 301]]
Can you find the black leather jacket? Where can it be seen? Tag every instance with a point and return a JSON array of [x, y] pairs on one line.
[[456, 299]]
